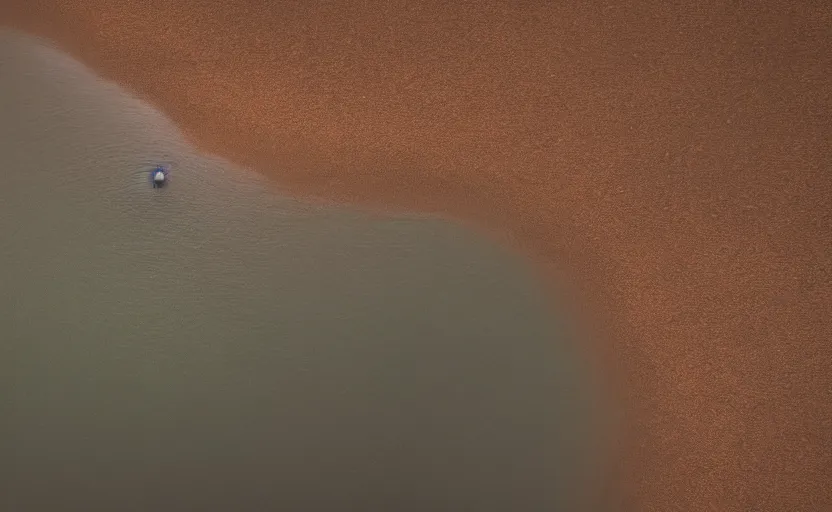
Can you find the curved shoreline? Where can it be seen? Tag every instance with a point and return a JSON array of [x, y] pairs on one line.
[[623, 166]]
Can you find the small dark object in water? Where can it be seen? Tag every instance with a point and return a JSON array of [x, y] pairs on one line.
[[159, 176]]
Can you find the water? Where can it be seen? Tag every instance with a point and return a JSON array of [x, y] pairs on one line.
[[214, 346]]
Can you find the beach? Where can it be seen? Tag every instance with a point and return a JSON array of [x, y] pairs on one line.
[[667, 166]]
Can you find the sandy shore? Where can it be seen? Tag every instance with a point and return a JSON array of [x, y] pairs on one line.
[[670, 165]]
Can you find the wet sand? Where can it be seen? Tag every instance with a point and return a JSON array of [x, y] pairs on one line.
[[669, 165]]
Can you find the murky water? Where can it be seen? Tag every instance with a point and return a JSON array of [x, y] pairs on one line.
[[214, 346]]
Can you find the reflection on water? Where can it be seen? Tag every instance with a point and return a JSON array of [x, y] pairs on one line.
[[212, 346]]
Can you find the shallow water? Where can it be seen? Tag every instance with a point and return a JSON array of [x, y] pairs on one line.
[[214, 346]]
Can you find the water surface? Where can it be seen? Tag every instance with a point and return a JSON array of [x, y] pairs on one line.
[[215, 346]]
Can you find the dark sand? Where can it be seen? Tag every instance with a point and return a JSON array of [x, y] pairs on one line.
[[669, 164]]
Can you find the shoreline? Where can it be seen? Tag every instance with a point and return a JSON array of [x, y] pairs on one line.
[[705, 276]]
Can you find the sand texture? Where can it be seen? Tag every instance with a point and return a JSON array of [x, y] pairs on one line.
[[667, 161]]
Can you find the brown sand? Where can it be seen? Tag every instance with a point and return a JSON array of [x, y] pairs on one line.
[[672, 162]]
